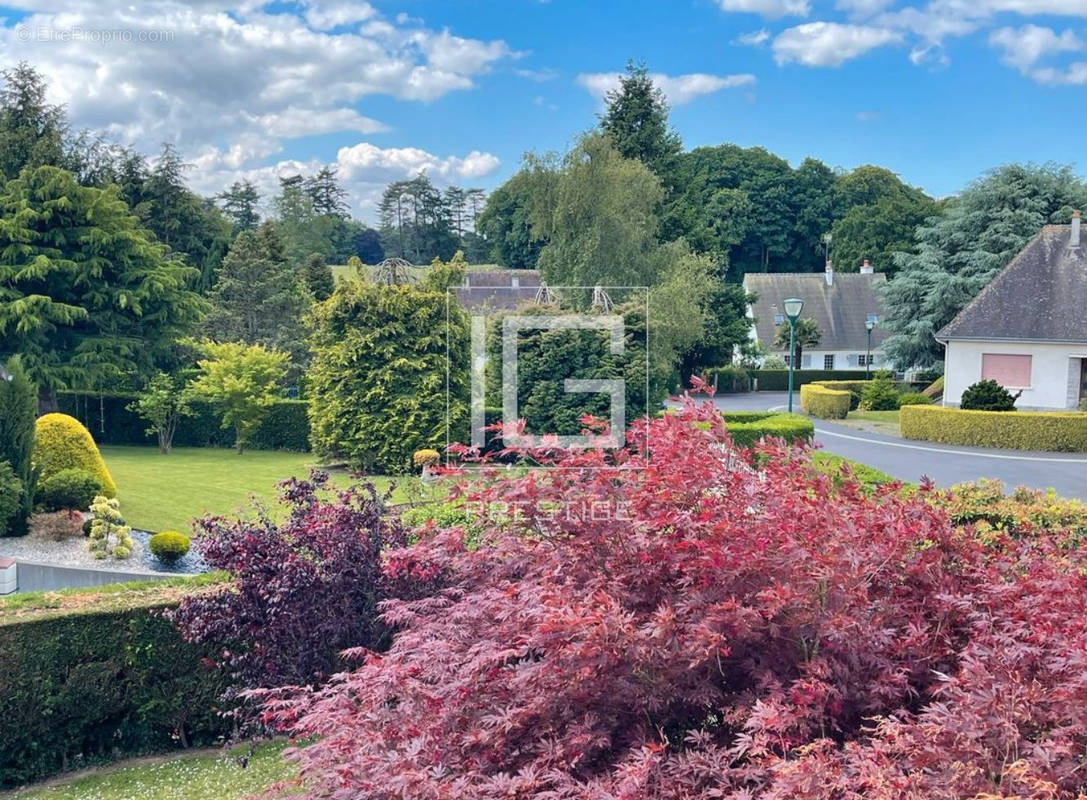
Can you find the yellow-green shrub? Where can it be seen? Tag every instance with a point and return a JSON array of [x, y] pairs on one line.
[[61, 442], [1015, 430], [824, 403], [844, 386]]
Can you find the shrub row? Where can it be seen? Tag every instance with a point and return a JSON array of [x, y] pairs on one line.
[[777, 380], [824, 403], [730, 379], [746, 428], [1016, 430], [82, 682], [286, 427]]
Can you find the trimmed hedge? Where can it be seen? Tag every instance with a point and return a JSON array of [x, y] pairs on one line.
[[285, 427], [1015, 430], [747, 427], [824, 403], [61, 442], [777, 380], [83, 682], [844, 386], [731, 379]]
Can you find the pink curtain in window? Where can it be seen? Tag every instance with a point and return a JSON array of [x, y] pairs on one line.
[[1008, 370]]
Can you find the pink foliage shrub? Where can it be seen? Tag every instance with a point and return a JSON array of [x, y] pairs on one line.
[[675, 623]]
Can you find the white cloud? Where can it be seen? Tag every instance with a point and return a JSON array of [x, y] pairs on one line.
[[1072, 75], [1024, 47], [678, 89], [229, 83], [829, 44], [862, 8], [755, 38], [772, 9], [370, 164]]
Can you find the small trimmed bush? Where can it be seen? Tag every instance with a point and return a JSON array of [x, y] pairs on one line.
[[61, 442], [824, 403], [880, 394], [987, 396], [426, 458], [109, 535], [1019, 430], [747, 428], [169, 546], [67, 490], [914, 399], [11, 496]]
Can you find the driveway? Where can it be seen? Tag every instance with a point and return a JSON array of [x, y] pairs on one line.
[[944, 464]]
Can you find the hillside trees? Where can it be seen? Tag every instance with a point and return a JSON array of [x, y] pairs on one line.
[[959, 252], [77, 313]]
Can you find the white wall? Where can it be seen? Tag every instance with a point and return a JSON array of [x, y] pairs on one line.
[[1054, 375]]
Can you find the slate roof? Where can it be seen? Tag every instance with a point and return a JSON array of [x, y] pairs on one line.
[[494, 290], [840, 310], [1040, 296]]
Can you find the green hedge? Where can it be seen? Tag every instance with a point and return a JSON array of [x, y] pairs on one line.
[[110, 422], [86, 682], [747, 427], [824, 403], [731, 379], [1015, 430], [777, 380]]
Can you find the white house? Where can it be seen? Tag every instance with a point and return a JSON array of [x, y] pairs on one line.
[[840, 303], [1027, 329]]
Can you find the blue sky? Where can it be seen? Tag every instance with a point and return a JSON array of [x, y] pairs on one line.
[[937, 90]]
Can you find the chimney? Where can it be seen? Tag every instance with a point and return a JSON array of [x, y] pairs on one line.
[[830, 272], [1074, 241], [867, 269]]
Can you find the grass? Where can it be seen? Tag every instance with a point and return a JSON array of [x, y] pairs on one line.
[[105, 598], [160, 492], [205, 776], [884, 422], [868, 476]]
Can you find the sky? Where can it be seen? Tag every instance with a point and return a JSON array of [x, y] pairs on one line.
[[936, 90]]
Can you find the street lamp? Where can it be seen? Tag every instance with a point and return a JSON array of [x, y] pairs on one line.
[[868, 325], [793, 307]]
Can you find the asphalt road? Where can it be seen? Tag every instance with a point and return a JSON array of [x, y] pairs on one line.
[[944, 464]]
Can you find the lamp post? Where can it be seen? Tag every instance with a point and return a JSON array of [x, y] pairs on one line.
[[793, 307], [871, 323]]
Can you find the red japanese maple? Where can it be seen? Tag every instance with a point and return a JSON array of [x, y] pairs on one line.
[[683, 620]]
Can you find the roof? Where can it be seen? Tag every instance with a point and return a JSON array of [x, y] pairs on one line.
[[1040, 296], [840, 310], [498, 289]]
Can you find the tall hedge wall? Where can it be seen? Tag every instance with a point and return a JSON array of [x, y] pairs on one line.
[[104, 681], [110, 422], [777, 380]]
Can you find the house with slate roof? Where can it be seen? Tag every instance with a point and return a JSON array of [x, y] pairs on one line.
[[840, 304], [491, 290], [1027, 329]]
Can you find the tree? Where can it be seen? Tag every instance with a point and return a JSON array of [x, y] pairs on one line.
[[878, 215], [161, 404], [241, 382], [366, 245], [240, 206], [384, 359], [18, 409], [32, 132], [319, 278], [807, 336], [326, 195], [87, 296], [602, 226], [726, 327], [506, 222], [416, 224], [636, 121], [959, 252], [258, 298]]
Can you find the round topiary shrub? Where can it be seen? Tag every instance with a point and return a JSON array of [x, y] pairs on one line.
[[61, 442], [169, 546], [880, 394], [987, 396], [67, 490], [426, 458]]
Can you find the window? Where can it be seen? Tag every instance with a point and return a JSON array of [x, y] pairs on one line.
[[865, 360], [788, 359], [779, 319], [828, 361], [1011, 371]]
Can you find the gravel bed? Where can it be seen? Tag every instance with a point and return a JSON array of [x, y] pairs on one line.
[[72, 552]]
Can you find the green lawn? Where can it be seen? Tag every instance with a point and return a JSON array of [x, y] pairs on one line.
[[160, 492], [208, 776], [884, 422]]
